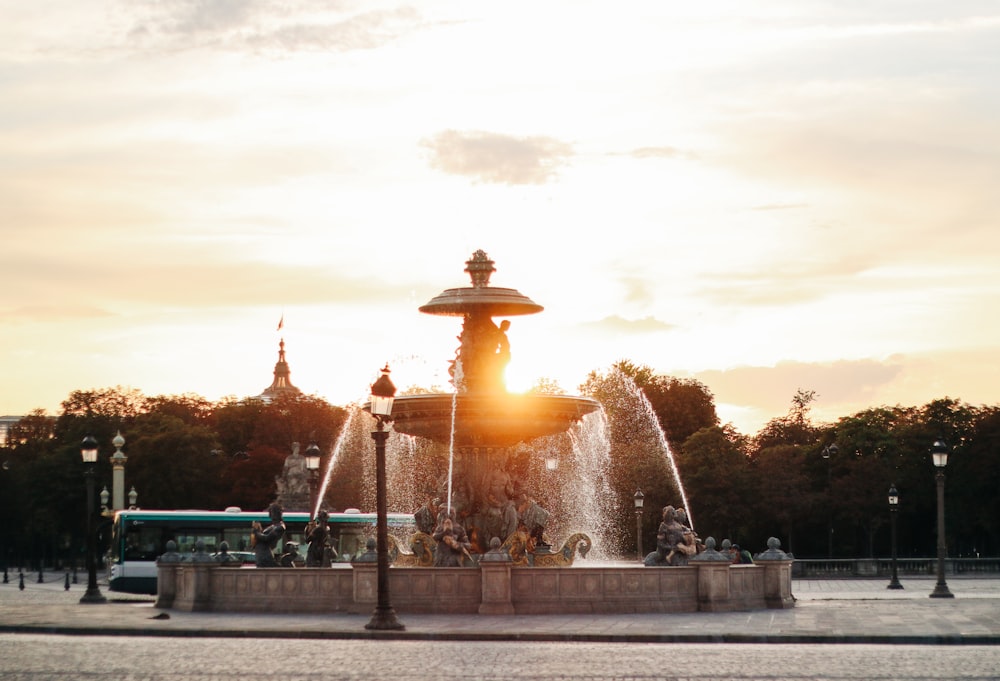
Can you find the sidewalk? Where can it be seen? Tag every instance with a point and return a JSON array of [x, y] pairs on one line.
[[826, 611]]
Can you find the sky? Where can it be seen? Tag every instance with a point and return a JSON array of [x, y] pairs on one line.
[[766, 197]]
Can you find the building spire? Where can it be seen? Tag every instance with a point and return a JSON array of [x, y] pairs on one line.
[[282, 383]]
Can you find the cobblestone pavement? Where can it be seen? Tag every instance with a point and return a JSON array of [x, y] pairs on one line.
[[36, 657], [827, 611], [839, 629]]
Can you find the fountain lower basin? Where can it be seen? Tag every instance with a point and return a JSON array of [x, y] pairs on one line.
[[489, 589]]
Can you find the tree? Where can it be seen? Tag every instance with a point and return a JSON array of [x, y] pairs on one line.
[[717, 479], [793, 429], [978, 477], [780, 501], [170, 463]]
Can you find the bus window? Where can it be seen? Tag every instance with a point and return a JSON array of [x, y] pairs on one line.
[[142, 543], [188, 539], [237, 538]]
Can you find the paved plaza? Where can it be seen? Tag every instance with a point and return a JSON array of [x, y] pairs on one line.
[[840, 630], [827, 611]]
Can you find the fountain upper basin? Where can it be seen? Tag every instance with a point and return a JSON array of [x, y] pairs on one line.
[[488, 420]]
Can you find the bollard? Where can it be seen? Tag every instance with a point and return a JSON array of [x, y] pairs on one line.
[[41, 580], [66, 585], [21, 585], [74, 573], [5, 580]]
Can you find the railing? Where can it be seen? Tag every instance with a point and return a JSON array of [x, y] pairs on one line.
[[882, 567]]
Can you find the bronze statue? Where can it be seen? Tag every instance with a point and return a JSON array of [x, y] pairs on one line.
[[320, 553], [290, 556], [265, 540], [498, 513], [482, 356], [452, 545]]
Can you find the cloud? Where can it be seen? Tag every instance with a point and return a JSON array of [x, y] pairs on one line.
[[772, 388], [199, 275], [49, 313], [751, 395], [499, 159], [257, 25], [793, 285], [638, 290], [206, 16], [661, 152], [780, 206], [616, 324], [361, 32]]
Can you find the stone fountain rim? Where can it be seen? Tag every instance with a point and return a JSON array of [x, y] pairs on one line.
[[500, 301]]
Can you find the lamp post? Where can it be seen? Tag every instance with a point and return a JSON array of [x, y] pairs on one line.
[[893, 508], [133, 499], [637, 499], [829, 451], [312, 465], [383, 392], [88, 451], [939, 455]]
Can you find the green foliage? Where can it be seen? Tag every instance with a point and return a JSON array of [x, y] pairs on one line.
[[184, 451], [716, 473]]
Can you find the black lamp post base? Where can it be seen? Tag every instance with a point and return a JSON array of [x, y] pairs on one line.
[[941, 591], [894, 584], [384, 620], [93, 596]]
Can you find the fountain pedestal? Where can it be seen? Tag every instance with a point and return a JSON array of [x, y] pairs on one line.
[[496, 595]]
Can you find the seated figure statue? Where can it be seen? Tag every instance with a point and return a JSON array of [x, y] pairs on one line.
[[453, 545], [668, 537]]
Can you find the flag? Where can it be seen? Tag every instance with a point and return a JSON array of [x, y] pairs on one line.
[[281, 322]]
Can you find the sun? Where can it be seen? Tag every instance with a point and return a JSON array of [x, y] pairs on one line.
[[518, 379]]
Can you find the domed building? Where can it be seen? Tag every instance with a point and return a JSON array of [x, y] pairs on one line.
[[282, 383]]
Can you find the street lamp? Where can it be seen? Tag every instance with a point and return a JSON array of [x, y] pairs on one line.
[[893, 508], [382, 394], [133, 498], [105, 496], [637, 499], [312, 465], [829, 451], [88, 451], [939, 455]]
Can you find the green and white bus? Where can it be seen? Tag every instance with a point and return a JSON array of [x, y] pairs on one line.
[[139, 537]]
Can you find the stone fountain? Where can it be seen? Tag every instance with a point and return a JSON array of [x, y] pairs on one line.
[[481, 420]]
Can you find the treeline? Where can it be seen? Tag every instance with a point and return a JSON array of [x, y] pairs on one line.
[[182, 452], [820, 488]]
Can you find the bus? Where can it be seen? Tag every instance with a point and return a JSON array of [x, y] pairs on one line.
[[139, 537]]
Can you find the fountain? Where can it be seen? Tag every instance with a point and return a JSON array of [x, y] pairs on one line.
[[482, 423]]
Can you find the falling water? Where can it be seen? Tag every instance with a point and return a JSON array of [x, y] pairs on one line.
[[334, 457], [648, 415], [451, 447], [588, 490]]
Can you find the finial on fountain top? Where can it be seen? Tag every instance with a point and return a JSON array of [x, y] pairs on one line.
[[480, 267]]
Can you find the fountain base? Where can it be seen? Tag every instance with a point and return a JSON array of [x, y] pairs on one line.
[[491, 588]]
